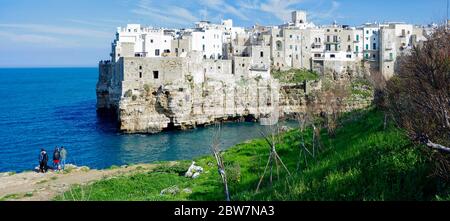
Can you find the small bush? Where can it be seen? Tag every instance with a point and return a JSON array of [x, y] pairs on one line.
[[233, 172], [129, 93], [146, 88], [179, 168]]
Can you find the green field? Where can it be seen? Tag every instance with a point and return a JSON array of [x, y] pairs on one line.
[[363, 162]]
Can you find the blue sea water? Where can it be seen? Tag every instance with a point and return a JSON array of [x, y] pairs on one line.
[[46, 107]]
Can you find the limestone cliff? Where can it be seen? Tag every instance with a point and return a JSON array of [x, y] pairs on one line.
[[146, 107]]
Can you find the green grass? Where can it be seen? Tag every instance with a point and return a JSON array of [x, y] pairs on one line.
[[295, 75], [364, 162]]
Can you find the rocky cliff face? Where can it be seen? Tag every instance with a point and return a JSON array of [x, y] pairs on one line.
[[184, 104]]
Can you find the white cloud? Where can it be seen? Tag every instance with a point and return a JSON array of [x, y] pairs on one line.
[[331, 13], [223, 7], [165, 14], [59, 30], [37, 40], [280, 8]]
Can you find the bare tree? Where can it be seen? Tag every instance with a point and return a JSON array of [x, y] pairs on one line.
[[333, 102], [272, 138], [379, 83], [418, 97], [219, 159]]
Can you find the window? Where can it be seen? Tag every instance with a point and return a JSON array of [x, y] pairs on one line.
[[349, 48], [349, 56], [140, 74], [357, 49], [374, 46], [357, 37], [151, 40], [374, 56], [290, 46], [332, 56], [140, 67], [155, 74], [367, 32], [157, 52], [261, 54], [349, 38], [290, 36], [203, 37], [391, 56], [203, 47], [367, 56], [167, 51], [328, 47], [367, 47]]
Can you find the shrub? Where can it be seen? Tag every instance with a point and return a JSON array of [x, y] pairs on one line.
[[233, 172], [179, 168], [128, 93]]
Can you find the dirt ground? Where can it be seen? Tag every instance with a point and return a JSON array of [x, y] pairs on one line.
[[33, 186]]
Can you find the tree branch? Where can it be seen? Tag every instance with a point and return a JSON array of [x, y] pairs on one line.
[[437, 146]]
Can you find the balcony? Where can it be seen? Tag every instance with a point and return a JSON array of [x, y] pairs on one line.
[[140, 54], [318, 58], [259, 67], [333, 42], [370, 59]]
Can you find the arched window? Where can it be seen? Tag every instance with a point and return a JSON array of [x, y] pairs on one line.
[[279, 46]]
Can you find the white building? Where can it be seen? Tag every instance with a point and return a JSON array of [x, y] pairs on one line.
[[137, 41]]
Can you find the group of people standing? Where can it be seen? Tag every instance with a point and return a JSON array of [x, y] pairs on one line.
[[59, 159]]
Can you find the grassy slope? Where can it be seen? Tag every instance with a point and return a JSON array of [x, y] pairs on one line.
[[364, 162]]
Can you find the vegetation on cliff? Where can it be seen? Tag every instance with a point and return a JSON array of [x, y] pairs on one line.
[[363, 161], [295, 75]]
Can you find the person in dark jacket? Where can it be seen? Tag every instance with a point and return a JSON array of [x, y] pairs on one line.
[[43, 159], [56, 159]]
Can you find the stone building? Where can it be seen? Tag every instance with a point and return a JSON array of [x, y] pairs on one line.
[[395, 40]]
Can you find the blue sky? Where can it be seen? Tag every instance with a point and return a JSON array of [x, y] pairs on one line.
[[79, 32]]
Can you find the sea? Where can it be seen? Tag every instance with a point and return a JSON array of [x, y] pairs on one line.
[[53, 107]]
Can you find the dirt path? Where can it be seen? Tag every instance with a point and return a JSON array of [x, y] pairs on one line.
[[32, 186]]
